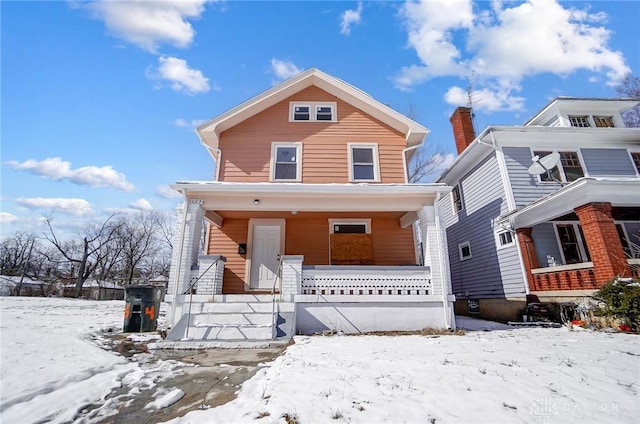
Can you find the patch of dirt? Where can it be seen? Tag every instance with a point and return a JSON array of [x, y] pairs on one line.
[[209, 378]]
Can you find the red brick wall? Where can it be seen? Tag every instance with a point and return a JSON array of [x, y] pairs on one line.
[[603, 241]]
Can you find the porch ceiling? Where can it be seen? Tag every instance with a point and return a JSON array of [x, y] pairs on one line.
[[258, 197], [618, 192]]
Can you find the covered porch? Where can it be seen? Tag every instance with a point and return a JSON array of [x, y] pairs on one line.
[[577, 238], [323, 248]]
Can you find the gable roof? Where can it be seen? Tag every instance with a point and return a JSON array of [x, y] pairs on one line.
[[210, 131]]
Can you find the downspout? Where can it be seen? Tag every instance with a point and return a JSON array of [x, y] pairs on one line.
[[217, 155], [444, 270], [180, 254]]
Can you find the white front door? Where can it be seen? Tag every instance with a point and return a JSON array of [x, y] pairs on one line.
[[265, 248]]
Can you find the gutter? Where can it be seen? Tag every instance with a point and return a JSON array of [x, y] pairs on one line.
[[405, 161], [444, 271]]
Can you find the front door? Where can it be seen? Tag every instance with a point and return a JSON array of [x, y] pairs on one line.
[[265, 248]]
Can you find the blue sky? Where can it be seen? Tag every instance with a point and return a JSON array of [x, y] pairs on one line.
[[100, 98]]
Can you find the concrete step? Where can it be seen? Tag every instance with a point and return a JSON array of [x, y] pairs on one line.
[[237, 307], [251, 318], [230, 332], [244, 298]]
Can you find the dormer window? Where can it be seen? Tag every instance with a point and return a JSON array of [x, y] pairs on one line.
[[579, 121], [603, 121], [312, 112]]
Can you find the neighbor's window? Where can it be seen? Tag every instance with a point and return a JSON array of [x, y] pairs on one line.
[[603, 121], [579, 121], [635, 156], [312, 112], [505, 238], [363, 162], [569, 169], [286, 161], [572, 243], [456, 198], [464, 249]]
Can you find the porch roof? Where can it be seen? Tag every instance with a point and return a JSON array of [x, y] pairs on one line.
[[226, 196], [622, 192]]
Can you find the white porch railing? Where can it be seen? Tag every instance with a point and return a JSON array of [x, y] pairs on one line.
[[366, 280]]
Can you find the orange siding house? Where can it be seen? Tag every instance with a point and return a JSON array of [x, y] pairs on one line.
[[310, 197]]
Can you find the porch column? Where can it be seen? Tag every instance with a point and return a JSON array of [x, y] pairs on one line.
[[529, 255], [211, 271], [291, 277], [435, 257], [603, 241], [186, 245]]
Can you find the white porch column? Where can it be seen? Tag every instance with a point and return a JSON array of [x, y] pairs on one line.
[[186, 247], [291, 282], [437, 259]]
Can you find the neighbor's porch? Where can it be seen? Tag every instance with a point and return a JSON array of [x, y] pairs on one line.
[[575, 241]]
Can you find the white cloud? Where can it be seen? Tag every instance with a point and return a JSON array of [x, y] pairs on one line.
[[141, 204], [6, 218], [148, 24], [181, 77], [77, 207], [350, 17], [167, 192], [487, 99], [58, 169], [446, 160], [283, 69], [505, 44], [183, 123]]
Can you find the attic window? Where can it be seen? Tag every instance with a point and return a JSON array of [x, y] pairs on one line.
[[579, 121], [312, 112], [603, 121]]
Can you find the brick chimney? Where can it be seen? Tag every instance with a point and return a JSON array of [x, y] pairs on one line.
[[462, 125]]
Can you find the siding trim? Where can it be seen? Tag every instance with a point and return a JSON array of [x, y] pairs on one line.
[[504, 177]]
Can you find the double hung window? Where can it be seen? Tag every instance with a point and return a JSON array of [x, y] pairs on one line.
[[363, 162], [286, 161]]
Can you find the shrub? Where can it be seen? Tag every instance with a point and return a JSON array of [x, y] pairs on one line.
[[620, 298]]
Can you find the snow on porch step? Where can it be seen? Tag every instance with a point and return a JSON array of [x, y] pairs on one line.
[[232, 319]]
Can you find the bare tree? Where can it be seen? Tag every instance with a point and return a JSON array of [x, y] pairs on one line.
[[85, 254], [630, 87], [138, 234]]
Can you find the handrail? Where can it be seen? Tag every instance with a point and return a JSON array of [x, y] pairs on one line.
[[273, 296], [190, 288]]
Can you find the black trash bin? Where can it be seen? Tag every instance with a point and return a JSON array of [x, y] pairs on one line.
[[142, 308]]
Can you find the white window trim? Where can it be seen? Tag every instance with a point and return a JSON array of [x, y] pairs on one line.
[[460, 246], [563, 176], [499, 245], [272, 171], [312, 111], [453, 202], [350, 221], [376, 161], [631, 152], [576, 230]]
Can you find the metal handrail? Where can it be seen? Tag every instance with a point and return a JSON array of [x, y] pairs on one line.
[[190, 288], [273, 296]]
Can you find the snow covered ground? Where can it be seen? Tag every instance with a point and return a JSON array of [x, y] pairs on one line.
[[524, 375], [52, 367], [52, 364]]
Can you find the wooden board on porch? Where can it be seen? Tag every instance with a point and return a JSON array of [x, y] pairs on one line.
[[352, 249]]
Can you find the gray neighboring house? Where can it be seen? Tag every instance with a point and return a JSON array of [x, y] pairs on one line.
[[558, 235]]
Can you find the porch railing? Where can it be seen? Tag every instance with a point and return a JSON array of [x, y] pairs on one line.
[[565, 277], [364, 280]]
